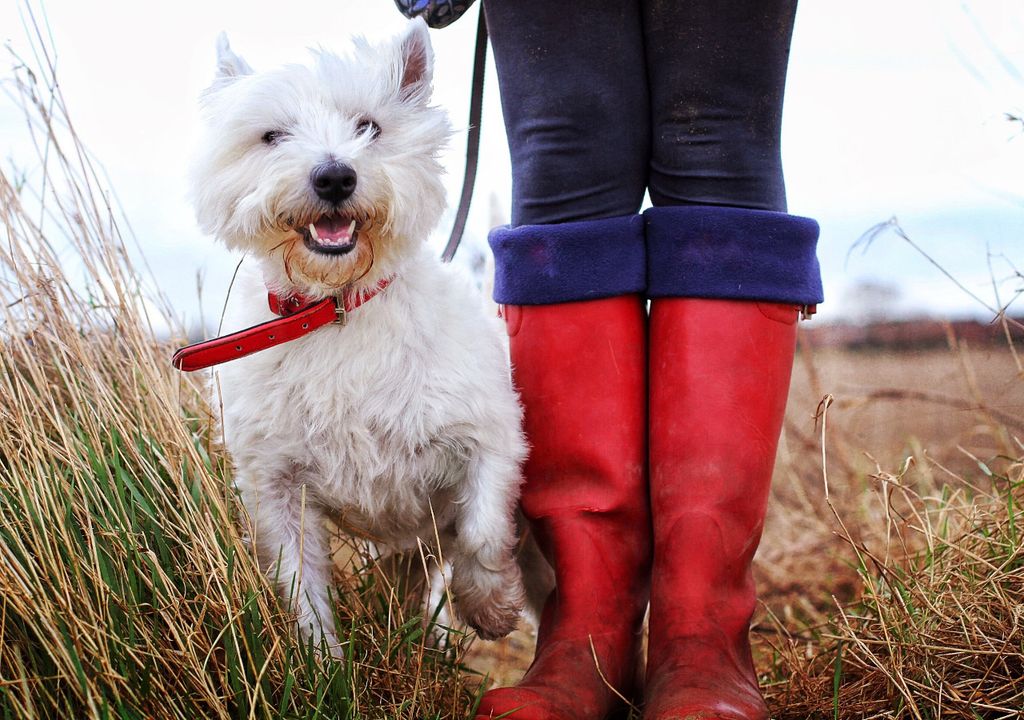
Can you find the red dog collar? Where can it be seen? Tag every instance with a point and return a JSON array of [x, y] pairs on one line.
[[299, 317]]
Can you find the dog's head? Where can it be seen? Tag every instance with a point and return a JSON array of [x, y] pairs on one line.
[[328, 172]]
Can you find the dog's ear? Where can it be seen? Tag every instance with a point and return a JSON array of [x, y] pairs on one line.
[[229, 65], [417, 61]]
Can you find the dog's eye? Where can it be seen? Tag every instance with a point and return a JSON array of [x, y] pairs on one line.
[[273, 137], [368, 126]]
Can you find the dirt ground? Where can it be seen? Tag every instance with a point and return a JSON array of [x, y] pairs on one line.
[[939, 406]]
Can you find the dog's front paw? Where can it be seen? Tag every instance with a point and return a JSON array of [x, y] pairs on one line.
[[494, 621], [489, 601]]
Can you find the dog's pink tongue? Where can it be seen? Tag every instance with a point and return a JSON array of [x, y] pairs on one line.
[[334, 231]]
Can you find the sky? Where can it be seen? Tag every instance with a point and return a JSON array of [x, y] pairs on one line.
[[894, 109]]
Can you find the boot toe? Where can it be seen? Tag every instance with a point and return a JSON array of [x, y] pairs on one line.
[[708, 708], [702, 703], [519, 703], [715, 689]]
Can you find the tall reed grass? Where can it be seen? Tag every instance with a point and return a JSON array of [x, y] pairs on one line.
[[126, 590], [937, 626], [922, 613]]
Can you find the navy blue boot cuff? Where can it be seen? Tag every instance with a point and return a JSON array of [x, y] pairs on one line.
[[565, 262], [732, 253]]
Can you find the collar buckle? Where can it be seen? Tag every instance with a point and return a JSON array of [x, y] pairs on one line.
[[340, 315]]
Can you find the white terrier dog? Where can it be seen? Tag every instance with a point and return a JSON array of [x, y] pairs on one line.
[[402, 420]]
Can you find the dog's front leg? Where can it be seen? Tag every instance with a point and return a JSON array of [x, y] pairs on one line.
[[291, 542], [486, 579]]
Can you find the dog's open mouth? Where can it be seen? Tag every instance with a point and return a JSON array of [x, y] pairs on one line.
[[331, 235]]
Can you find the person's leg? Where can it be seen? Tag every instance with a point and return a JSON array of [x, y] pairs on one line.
[[719, 243], [570, 270], [574, 99], [717, 74]]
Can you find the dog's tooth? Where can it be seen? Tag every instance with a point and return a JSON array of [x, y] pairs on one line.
[[312, 231], [351, 227]]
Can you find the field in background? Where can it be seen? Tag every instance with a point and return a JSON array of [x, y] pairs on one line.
[[897, 588], [889, 406]]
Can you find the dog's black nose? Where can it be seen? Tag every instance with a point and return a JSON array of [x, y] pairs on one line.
[[333, 181]]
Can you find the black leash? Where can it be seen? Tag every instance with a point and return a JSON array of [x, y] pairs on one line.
[[476, 107]]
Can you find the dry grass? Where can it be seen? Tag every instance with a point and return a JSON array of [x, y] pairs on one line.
[[125, 588], [893, 582]]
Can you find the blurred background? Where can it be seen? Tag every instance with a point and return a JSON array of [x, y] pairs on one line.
[[908, 110]]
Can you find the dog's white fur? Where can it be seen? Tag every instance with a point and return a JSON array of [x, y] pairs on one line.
[[403, 420]]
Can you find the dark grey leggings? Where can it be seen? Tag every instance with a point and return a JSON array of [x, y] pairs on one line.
[[607, 98]]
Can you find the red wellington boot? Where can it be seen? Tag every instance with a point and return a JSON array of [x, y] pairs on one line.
[[719, 377], [580, 369]]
